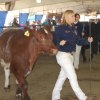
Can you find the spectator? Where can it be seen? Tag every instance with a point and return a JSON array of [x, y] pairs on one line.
[[80, 30], [15, 23]]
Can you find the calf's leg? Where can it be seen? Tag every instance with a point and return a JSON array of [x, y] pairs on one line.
[[22, 87], [7, 76], [20, 91]]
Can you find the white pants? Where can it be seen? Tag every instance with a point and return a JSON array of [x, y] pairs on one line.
[[65, 60], [77, 56]]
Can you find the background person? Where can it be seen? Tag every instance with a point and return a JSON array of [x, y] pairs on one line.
[[80, 29], [15, 23]]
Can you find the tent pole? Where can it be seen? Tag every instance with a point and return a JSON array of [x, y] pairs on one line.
[[90, 62]]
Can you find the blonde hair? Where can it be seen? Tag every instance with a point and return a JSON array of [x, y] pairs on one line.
[[66, 14]]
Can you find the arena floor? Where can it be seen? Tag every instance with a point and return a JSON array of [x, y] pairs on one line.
[[41, 81]]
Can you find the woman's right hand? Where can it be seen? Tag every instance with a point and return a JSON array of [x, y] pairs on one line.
[[62, 42], [90, 39]]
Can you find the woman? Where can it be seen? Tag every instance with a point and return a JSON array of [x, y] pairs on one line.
[[66, 38]]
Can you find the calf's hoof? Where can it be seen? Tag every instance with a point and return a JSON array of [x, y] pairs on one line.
[[18, 97], [7, 88], [19, 94]]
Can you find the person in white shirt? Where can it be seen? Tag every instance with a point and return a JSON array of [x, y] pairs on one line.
[[80, 30]]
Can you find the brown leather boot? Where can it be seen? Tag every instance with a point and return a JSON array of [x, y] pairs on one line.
[[90, 98]]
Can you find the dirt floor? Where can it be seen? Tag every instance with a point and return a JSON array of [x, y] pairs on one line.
[[41, 81]]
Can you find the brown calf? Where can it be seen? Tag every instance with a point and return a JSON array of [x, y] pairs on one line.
[[19, 50]]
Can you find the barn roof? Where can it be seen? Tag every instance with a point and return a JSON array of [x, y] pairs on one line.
[[80, 6]]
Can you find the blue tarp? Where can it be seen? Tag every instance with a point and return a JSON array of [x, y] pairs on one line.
[[23, 18], [38, 17], [3, 15]]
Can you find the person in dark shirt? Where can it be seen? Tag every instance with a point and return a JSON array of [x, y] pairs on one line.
[[93, 29], [98, 32], [66, 38], [15, 23]]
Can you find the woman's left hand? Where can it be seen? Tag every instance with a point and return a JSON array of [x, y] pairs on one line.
[[90, 39]]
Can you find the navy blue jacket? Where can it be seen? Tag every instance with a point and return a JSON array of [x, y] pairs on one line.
[[79, 27], [68, 33]]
